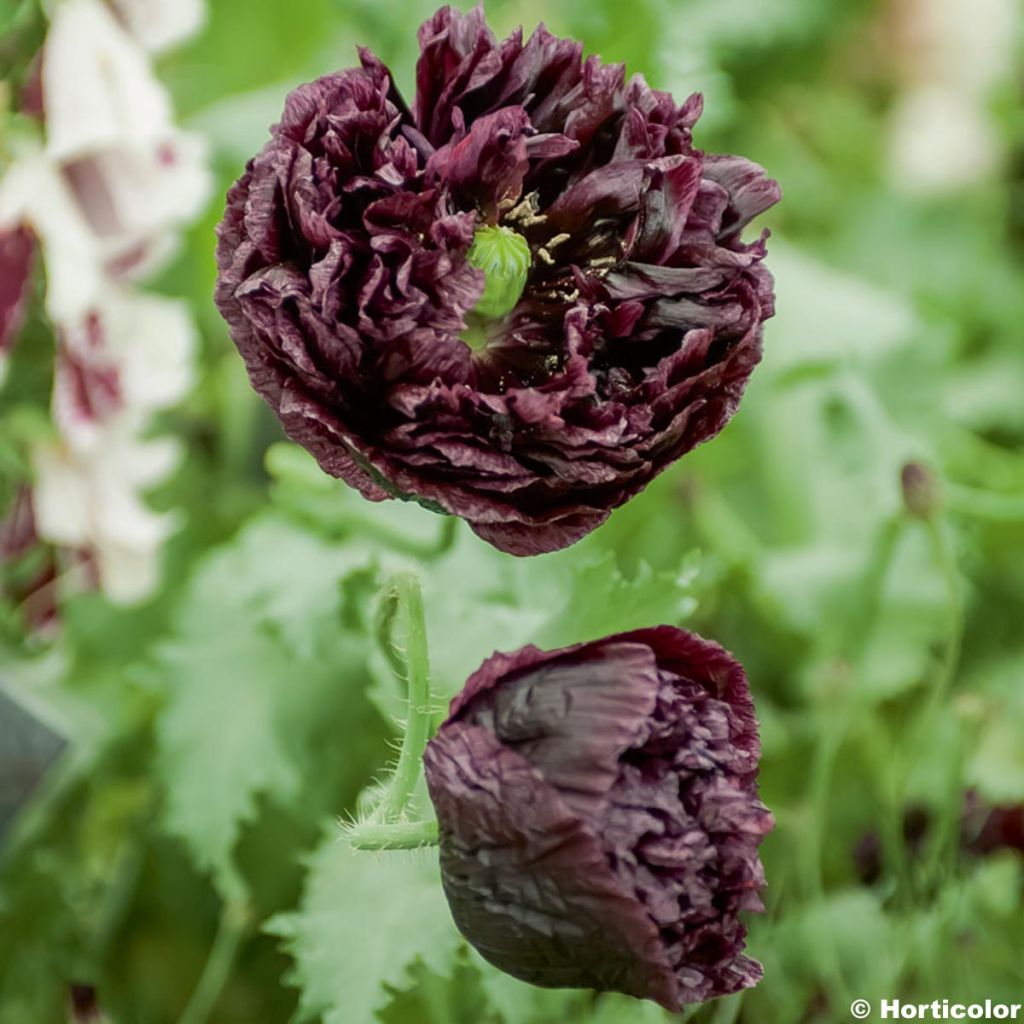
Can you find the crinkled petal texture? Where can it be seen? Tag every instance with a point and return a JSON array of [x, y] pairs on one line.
[[599, 818], [345, 281]]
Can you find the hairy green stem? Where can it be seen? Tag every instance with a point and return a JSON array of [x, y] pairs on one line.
[[398, 835], [404, 591], [402, 636]]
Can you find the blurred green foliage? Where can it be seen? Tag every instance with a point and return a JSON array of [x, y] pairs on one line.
[[184, 856]]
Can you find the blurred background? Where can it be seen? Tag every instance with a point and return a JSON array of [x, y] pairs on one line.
[[191, 690]]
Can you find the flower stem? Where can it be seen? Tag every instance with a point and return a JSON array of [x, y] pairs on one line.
[[835, 723], [872, 588], [947, 836], [401, 613], [399, 835], [842, 688], [946, 562], [411, 662], [234, 923]]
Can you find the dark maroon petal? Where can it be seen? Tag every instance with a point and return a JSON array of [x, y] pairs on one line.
[[487, 165], [598, 815], [647, 281], [527, 882], [457, 55], [750, 190], [670, 188], [525, 539], [17, 256], [608, 191], [346, 280]]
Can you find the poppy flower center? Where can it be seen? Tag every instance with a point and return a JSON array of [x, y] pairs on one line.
[[504, 257]]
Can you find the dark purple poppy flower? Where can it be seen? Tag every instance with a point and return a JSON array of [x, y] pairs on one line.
[[517, 300], [599, 818]]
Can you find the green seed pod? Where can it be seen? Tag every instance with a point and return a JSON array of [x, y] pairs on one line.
[[504, 257]]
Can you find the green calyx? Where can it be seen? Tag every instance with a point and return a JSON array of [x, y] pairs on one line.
[[504, 257]]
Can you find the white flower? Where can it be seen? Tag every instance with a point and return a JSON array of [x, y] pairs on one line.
[[136, 197], [34, 193], [109, 124], [99, 91], [940, 141], [127, 357], [104, 198], [158, 24], [117, 179], [92, 503]]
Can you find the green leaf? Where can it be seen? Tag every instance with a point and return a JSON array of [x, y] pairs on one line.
[[256, 662], [997, 769], [648, 598], [520, 1003], [326, 504], [479, 600], [453, 999], [617, 1009], [827, 316], [365, 918]]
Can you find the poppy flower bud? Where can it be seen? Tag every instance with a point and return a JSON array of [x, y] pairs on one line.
[[921, 495], [598, 815]]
